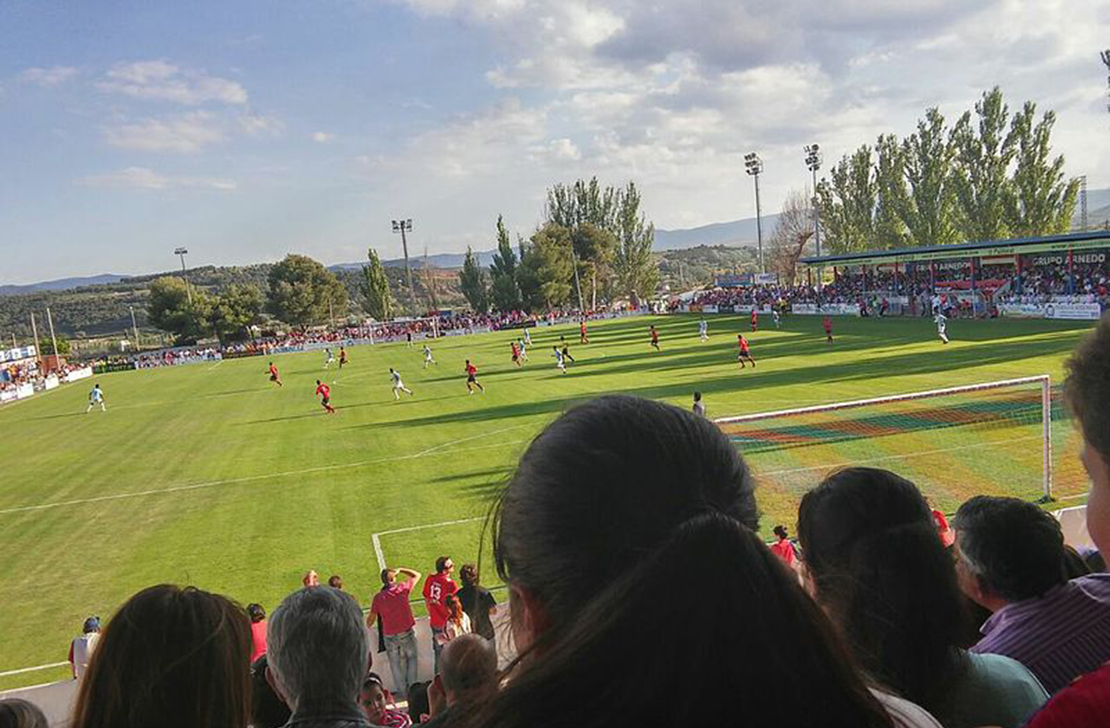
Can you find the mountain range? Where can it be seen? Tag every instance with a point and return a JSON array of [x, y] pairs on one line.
[[737, 233]]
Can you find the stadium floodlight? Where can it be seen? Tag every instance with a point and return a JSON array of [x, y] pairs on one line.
[[753, 165], [403, 226], [813, 163], [182, 252]]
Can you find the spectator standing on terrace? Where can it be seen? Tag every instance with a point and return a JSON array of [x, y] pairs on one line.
[[437, 588], [458, 621], [1011, 561], [397, 625], [258, 630], [469, 679], [318, 658], [782, 546], [81, 648], [172, 658], [659, 491], [477, 601], [874, 562], [1086, 702]]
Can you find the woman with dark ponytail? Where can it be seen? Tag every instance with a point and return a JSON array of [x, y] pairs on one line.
[[874, 560], [641, 596]]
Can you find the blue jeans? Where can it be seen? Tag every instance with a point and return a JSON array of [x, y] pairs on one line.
[[401, 650], [437, 648]]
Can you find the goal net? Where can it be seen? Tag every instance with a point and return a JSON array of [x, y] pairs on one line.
[[996, 438]]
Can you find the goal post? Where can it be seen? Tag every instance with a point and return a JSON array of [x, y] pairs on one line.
[[994, 437]]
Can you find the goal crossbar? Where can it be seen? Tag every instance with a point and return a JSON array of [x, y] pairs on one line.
[[1042, 380]]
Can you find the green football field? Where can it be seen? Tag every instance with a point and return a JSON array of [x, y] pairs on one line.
[[208, 474]]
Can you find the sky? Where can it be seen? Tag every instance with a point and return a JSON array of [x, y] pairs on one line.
[[251, 129]]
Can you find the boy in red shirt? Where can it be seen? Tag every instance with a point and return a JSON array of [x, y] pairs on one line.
[[744, 354], [472, 378], [274, 377], [437, 588], [324, 393], [827, 323]]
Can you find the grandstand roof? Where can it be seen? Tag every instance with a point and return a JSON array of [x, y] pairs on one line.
[[982, 249]]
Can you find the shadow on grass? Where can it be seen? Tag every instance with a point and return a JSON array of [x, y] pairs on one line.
[[861, 368]]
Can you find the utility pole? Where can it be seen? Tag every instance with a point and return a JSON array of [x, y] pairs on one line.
[[35, 333], [753, 165], [134, 327], [53, 339], [813, 163], [182, 252], [405, 226]]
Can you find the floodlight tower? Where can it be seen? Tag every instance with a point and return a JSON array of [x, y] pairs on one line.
[[181, 253], [813, 163], [753, 165], [405, 226]]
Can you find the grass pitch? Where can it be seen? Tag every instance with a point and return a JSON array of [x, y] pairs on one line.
[[208, 474]]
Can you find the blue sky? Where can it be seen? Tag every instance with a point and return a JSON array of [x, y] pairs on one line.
[[247, 130]]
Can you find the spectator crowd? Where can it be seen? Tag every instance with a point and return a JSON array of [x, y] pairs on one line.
[[641, 594]]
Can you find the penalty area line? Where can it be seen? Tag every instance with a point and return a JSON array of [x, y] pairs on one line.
[[266, 476], [376, 537]]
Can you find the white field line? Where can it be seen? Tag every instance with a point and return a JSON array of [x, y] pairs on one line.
[[908, 456], [23, 670], [221, 361], [267, 476], [378, 544]]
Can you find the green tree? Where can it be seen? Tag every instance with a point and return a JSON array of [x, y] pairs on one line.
[[980, 174], [373, 284], [236, 309], [504, 288], [170, 309], [636, 270], [472, 281], [46, 346], [547, 269], [890, 194], [847, 203], [1041, 202], [929, 209], [304, 292], [595, 249]]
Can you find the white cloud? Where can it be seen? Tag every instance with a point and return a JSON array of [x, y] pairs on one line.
[[321, 137], [164, 81], [143, 178], [259, 125], [182, 134], [49, 77]]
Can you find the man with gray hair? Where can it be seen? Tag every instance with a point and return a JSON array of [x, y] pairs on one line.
[[318, 652], [468, 677]]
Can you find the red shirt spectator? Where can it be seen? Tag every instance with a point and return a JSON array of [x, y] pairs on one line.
[[783, 548], [436, 589], [392, 604]]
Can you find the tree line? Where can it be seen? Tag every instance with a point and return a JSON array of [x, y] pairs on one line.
[[989, 176], [593, 247]]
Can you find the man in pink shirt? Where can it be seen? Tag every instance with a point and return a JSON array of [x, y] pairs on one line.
[[436, 590], [391, 604]]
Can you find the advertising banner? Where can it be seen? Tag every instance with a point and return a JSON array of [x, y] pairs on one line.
[[831, 309], [1068, 311]]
